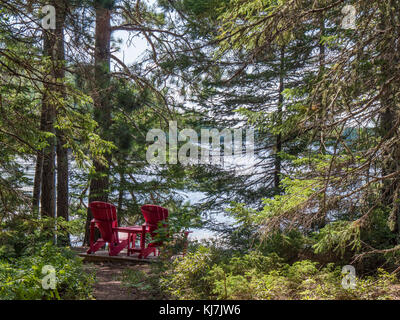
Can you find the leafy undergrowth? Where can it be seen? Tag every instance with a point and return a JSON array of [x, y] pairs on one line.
[[145, 283], [22, 278], [204, 275]]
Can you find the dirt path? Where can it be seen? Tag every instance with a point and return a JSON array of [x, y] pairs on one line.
[[109, 280], [109, 284]]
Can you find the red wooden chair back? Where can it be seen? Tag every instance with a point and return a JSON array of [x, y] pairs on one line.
[[105, 215], [153, 215]]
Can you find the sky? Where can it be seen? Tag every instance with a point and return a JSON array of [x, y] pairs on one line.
[[129, 54]]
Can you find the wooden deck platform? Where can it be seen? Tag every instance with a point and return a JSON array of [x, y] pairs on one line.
[[102, 256]]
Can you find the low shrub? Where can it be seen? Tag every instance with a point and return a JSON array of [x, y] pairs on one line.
[[21, 278], [254, 276], [186, 277]]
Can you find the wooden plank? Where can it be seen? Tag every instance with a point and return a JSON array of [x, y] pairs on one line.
[[102, 256]]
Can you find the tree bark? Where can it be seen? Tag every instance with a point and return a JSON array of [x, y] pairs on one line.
[[53, 45], [390, 119], [121, 195], [322, 220], [62, 186], [38, 172], [278, 146], [99, 183], [321, 103]]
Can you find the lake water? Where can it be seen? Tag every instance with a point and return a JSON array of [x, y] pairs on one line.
[[193, 197]]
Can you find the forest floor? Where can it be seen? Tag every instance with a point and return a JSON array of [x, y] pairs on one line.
[[109, 284], [111, 280]]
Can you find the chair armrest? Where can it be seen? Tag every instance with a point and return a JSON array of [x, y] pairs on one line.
[[130, 229]]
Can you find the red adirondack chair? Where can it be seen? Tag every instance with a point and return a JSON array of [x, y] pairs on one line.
[[155, 217], [119, 238], [105, 219]]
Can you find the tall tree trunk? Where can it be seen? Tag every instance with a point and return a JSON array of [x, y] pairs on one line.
[[48, 169], [101, 97], [61, 151], [278, 146], [38, 172], [62, 186], [53, 46], [321, 103], [322, 220], [390, 117], [121, 195]]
